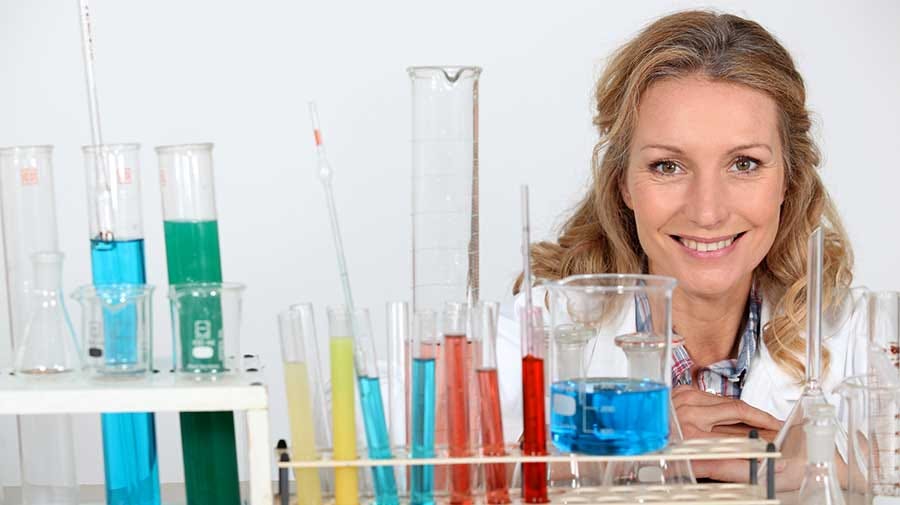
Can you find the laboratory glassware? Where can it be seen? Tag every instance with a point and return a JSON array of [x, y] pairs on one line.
[[445, 185], [820, 485], [399, 368], [484, 331], [117, 257], [600, 406], [206, 325], [884, 336], [48, 351], [343, 408], [29, 223], [191, 233], [116, 317], [423, 397], [370, 400], [305, 397], [457, 377], [534, 379]]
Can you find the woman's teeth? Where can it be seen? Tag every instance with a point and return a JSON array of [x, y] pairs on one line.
[[704, 246]]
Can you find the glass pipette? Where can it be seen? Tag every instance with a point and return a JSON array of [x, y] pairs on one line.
[[325, 175], [104, 196], [534, 437], [364, 348]]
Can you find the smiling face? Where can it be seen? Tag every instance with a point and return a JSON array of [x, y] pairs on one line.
[[705, 180]]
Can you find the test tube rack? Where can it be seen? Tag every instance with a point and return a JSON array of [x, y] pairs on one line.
[[158, 392], [751, 449]]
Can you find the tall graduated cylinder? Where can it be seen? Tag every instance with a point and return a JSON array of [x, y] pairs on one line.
[[117, 258], [192, 256], [610, 348], [29, 222], [445, 185]]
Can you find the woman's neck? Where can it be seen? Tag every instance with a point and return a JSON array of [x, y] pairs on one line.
[[710, 324]]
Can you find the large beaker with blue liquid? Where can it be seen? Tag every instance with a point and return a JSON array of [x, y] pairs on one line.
[[611, 336], [117, 258]]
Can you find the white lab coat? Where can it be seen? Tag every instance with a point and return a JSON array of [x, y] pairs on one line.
[[767, 387]]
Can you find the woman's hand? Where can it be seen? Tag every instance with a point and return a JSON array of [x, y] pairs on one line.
[[705, 415]]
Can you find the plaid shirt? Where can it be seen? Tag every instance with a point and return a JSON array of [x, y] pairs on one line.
[[723, 378]]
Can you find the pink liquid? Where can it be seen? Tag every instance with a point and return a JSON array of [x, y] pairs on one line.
[[496, 484], [458, 440]]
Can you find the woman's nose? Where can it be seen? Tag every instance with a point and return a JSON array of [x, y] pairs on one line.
[[707, 203]]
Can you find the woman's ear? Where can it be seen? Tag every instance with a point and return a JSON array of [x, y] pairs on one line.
[[626, 195]]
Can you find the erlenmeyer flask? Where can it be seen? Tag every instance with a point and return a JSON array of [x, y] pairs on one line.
[[445, 185], [47, 351], [48, 345], [820, 485]]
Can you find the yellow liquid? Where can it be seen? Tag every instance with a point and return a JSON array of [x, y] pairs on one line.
[[303, 441], [343, 419]]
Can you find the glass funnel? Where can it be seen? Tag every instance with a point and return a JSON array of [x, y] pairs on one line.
[[610, 357], [445, 185]]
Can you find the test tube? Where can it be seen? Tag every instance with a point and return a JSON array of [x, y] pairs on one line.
[[459, 444], [377, 436], [303, 387], [484, 331], [422, 400], [398, 327], [191, 230], [343, 409], [117, 257]]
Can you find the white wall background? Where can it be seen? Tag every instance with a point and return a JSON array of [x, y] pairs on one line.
[[239, 74]]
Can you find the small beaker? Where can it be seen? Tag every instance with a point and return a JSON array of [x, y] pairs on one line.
[[206, 325], [117, 327]]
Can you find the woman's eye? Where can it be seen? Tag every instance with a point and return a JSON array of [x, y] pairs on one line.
[[745, 165], [665, 167]]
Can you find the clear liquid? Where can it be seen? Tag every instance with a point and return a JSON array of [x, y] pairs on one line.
[[378, 440], [130, 460], [609, 416], [422, 431]]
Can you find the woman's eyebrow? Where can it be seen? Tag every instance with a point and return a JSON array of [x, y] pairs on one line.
[[677, 150]]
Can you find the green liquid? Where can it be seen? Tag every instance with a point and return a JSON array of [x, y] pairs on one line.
[[207, 438]]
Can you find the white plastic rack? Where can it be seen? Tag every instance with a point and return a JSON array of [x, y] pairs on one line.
[[681, 494], [158, 392]]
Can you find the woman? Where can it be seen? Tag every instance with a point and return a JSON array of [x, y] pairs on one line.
[[706, 172]]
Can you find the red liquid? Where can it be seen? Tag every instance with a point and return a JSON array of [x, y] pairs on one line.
[[458, 442], [534, 439], [496, 486]]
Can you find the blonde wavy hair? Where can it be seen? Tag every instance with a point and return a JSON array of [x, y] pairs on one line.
[[601, 236]]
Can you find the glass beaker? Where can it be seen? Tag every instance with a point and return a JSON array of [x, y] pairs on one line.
[[47, 351], [601, 406], [445, 185], [206, 325], [29, 223], [191, 233], [117, 327], [305, 397]]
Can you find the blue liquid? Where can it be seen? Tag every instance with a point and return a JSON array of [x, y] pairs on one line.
[[617, 417], [378, 440], [129, 440], [422, 428]]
